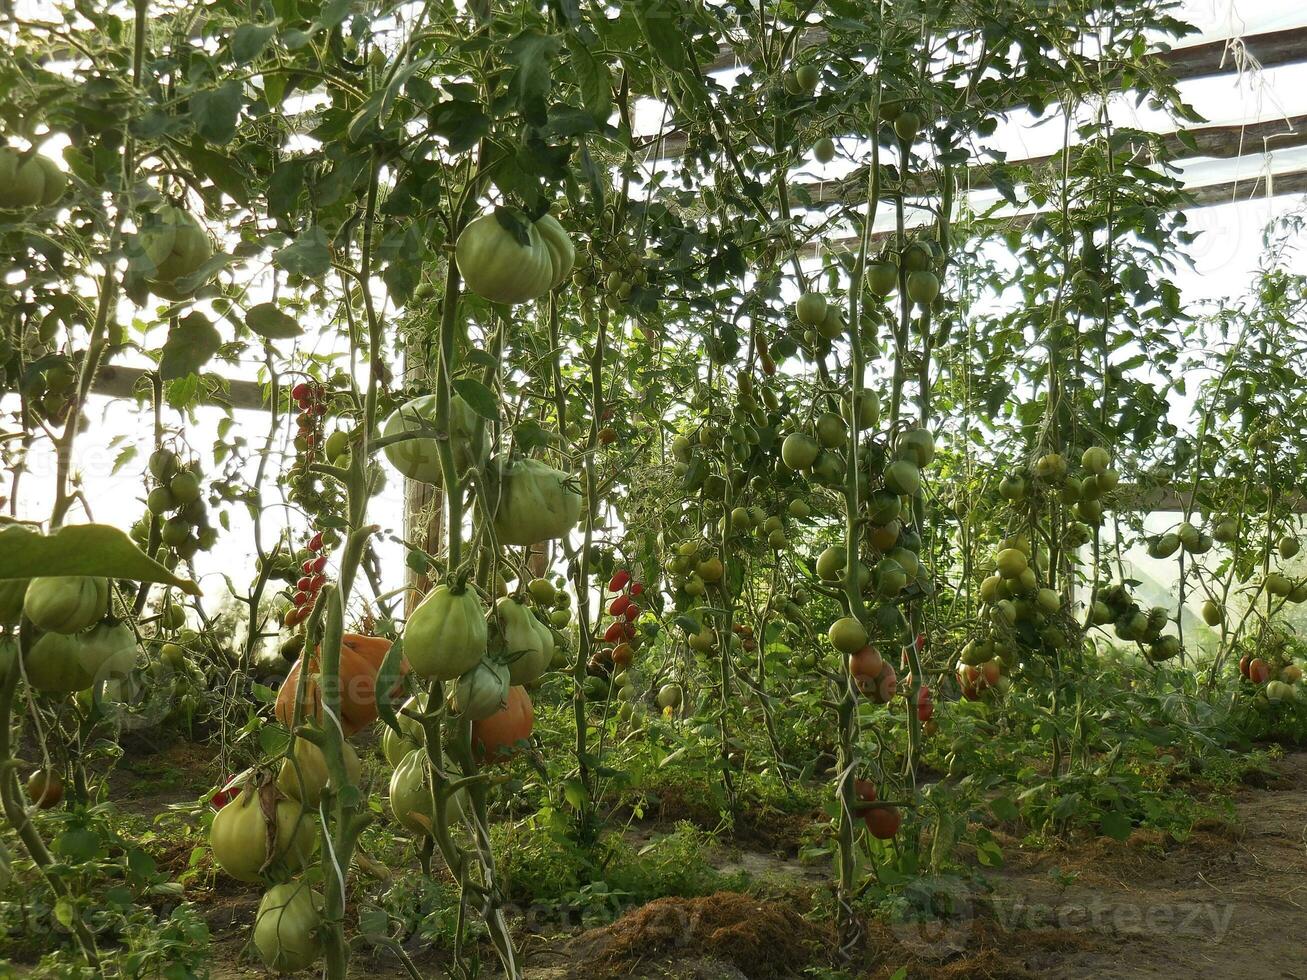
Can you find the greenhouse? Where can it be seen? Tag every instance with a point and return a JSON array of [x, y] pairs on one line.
[[696, 490]]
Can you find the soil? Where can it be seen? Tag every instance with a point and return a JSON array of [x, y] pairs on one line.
[[1229, 900]]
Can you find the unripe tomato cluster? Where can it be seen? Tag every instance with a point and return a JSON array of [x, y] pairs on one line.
[[177, 491], [309, 584], [1277, 681]]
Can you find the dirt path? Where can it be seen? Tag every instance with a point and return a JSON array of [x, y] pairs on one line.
[[1228, 902]]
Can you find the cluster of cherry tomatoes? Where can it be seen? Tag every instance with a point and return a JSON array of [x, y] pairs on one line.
[[309, 584], [621, 632], [310, 398]]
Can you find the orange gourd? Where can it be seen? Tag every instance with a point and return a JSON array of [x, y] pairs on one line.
[[360, 660], [495, 738]]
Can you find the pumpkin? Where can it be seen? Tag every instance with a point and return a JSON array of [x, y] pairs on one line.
[[31, 182], [533, 502], [445, 636], [502, 268], [12, 591], [495, 738], [395, 745], [562, 253], [66, 603], [238, 836], [170, 246], [419, 458], [480, 692], [528, 644], [286, 928], [360, 659], [410, 796], [314, 775]]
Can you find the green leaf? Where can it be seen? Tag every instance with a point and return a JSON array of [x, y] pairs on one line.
[[532, 53], [219, 169], [249, 40], [575, 793], [214, 112], [307, 256], [479, 398], [190, 345], [269, 322], [387, 679], [1004, 809], [1115, 824], [81, 549], [593, 78]]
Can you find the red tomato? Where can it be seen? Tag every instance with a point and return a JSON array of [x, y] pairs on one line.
[[631, 612], [883, 821], [637, 588], [315, 542], [618, 606], [615, 632], [618, 582], [865, 790]]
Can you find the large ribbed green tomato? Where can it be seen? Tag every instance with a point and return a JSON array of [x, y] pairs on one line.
[[445, 637], [61, 664], [66, 603], [410, 796], [500, 268], [526, 640], [286, 929], [562, 253], [239, 836], [307, 784], [533, 502], [480, 692], [29, 183], [12, 591], [395, 746], [171, 245], [54, 664], [419, 459]]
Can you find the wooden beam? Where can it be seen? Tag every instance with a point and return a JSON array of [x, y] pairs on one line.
[[1207, 195], [117, 381], [1224, 56], [1216, 142], [1228, 56]]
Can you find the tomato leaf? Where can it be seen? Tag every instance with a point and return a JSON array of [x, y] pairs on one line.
[[388, 676], [268, 321], [307, 256], [81, 549], [190, 345], [478, 397]]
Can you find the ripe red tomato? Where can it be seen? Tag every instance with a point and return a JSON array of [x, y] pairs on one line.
[[865, 790], [637, 588], [618, 582], [883, 821], [1243, 664], [618, 606], [1259, 671], [225, 794], [300, 392], [615, 632], [631, 612], [315, 542]]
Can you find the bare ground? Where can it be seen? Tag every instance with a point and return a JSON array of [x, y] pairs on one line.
[[1230, 901]]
